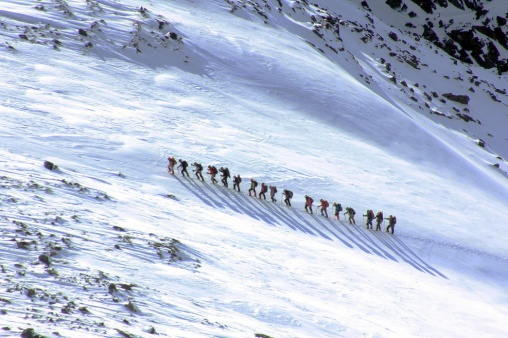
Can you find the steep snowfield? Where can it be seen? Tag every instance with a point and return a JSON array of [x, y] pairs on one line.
[[133, 250]]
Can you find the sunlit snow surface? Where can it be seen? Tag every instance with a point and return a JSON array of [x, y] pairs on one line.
[[134, 250]]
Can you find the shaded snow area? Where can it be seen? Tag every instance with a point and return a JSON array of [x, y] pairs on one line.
[[107, 243]]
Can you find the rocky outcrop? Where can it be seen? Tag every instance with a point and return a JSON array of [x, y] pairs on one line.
[[477, 41]]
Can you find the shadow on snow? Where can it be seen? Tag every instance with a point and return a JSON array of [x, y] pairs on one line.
[[377, 243]]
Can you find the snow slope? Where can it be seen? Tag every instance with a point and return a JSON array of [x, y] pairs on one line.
[[111, 245]]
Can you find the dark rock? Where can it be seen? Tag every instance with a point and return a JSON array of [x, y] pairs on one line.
[[464, 56], [427, 5], [501, 37], [394, 4], [493, 96], [502, 67], [480, 13], [30, 333], [82, 32], [49, 165], [429, 34], [485, 30], [464, 99], [457, 3], [466, 118], [393, 36], [466, 39], [172, 35], [44, 259], [501, 21], [449, 47], [112, 288], [412, 61], [23, 245], [365, 5], [493, 52], [161, 23], [442, 3]]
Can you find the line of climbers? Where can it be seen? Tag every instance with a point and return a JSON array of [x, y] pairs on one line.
[[337, 207]]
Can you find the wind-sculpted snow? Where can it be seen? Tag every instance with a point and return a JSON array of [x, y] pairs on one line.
[[325, 99]]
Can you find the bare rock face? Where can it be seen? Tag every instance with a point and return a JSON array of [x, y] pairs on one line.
[[483, 41]]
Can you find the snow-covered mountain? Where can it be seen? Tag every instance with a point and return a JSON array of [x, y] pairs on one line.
[[364, 103]]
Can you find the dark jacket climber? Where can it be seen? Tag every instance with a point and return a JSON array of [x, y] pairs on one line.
[[236, 182], [370, 218], [379, 220], [224, 175], [183, 164], [198, 169], [288, 194]]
